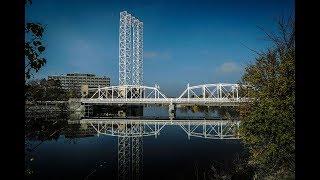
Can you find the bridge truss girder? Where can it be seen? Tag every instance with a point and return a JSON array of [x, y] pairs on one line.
[[128, 92], [219, 91], [207, 95]]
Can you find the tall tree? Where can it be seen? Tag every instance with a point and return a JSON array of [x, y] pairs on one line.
[[33, 47], [268, 126]]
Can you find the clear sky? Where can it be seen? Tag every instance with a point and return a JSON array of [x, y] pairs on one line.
[[185, 41]]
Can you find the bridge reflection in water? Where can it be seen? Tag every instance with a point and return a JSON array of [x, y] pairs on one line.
[[130, 133]]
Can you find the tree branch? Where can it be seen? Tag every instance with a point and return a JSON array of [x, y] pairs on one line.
[[272, 37], [251, 49]]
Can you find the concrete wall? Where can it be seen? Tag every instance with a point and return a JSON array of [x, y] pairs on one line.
[[76, 109]]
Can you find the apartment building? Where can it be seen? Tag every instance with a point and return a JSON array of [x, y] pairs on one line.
[[77, 80]]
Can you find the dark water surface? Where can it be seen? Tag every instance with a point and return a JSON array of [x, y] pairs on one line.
[[62, 150]]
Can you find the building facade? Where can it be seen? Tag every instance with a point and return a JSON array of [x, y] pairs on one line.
[[78, 80]]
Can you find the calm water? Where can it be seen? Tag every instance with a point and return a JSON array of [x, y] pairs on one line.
[[61, 150]]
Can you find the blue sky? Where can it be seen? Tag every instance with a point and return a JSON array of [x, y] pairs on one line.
[[185, 41]]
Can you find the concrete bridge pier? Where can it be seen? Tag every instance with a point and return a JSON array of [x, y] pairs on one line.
[[172, 111]]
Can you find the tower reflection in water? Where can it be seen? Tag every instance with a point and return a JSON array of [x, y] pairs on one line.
[[130, 133]]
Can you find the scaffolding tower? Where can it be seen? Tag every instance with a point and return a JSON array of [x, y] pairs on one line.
[[130, 50]]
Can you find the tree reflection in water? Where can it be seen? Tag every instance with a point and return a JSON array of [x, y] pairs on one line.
[[130, 135], [41, 128]]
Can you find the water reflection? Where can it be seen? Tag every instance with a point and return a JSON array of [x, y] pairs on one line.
[[130, 135], [210, 129], [129, 153]]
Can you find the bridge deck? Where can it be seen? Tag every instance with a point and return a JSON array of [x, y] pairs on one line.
[[166, 101], [153, 121]]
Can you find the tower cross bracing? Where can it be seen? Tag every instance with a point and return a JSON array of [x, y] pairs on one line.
[[130, 50]]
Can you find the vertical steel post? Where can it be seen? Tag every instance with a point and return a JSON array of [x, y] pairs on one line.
[[188, 92], [203, 92], [99, 92], [220, 90], [237, 92]]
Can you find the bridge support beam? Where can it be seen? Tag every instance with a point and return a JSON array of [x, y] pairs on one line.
[[172, 111]]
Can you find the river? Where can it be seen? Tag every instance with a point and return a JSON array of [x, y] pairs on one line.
[[58, 148]]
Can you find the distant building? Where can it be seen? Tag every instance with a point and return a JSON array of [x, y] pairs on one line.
[[77, 81]]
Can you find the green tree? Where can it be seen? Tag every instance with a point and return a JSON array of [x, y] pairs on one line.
[[45, 90], [33, 47], [268, 126]]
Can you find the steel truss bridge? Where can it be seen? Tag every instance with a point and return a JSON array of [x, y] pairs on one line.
[[130, 135], [221, 94]]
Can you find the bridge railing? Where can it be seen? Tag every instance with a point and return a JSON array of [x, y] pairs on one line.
[[207, 100], [127, 101]]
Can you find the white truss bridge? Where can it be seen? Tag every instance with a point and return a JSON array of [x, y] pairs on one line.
[[220, 94]]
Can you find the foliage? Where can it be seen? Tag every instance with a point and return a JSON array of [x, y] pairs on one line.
[[223, 111], [37, 129], [33, 47], [45, 90], [235, 168], [268, 127]]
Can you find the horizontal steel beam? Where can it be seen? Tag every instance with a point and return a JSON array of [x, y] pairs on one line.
[[182, 101], [152, 121]]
